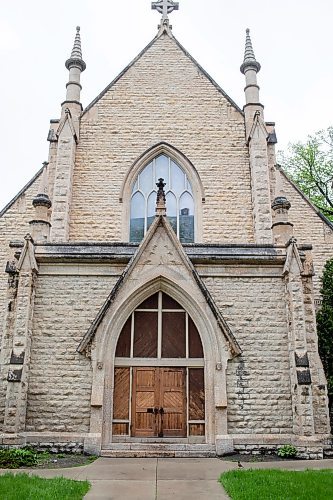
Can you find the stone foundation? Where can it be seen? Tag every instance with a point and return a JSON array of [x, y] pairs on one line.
[[328, 448], [89, 444], [304, 452], [51, 443]]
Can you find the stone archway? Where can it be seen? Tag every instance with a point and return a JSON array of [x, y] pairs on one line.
[[215, 348]]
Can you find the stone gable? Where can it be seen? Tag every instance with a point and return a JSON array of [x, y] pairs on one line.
[[131, 117]]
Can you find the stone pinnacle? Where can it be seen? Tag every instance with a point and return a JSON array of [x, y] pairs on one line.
[[249, 57]]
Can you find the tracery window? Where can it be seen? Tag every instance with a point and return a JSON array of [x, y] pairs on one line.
[[179, 199]]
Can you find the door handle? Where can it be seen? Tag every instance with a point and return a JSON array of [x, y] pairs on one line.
[[153, 410], [161, 412]]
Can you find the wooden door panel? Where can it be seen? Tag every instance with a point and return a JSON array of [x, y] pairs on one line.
[[160, 388], [173, 401], [121, 393], [196, 394], [145, 384]]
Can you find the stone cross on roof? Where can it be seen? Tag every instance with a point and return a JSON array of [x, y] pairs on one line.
[[165, 7]]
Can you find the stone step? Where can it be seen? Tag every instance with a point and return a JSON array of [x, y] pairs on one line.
[[156, 454], [160, 446], [154, 450]]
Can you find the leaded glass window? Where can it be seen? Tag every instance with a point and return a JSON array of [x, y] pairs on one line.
[[179, 199]]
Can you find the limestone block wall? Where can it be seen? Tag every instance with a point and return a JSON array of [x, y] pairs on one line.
[[258, 382], [60, 377], [309, 228], [131, 117]]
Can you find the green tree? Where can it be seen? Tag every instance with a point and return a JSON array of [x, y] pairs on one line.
[[310, 166], [325, 330]]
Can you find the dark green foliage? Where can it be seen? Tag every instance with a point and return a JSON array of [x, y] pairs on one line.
[[325, 329], [25, 487], [278, 484], [287, 451], [310, 166], [13, 458]]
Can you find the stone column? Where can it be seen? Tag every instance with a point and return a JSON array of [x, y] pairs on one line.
[[67, 135], [40, 225], [260, 182], [257, 136], [62, 192], [282, 228], [300, 376], [19, 333], [318, 379]]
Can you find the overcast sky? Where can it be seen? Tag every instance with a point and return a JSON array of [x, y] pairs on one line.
[[292, 40]]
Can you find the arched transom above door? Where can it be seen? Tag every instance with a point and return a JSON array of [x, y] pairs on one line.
[[159, 328]]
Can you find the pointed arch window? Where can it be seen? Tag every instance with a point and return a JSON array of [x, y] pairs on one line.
[[179, 199]]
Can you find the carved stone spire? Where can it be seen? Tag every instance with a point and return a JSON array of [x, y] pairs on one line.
[[249, 57], [250, 68], [76, 55], [75, 66], [160, 199]]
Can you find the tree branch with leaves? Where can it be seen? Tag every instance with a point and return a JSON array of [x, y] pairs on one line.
[[310, 165]]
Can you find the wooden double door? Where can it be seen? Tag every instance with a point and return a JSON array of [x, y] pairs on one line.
[[159, 402]]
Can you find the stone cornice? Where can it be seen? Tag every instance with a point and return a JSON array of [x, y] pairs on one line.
[[198, 253]]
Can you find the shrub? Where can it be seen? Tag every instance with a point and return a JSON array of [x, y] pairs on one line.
[[13, 458], [287, 451], [325, 330]]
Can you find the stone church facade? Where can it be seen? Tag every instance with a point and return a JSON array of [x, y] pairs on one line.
[[175, 319]]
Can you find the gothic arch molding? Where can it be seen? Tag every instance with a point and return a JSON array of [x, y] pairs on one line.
[[184, 163], [216, 352]]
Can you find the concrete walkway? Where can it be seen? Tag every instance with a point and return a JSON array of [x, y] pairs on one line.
[[162, 478]]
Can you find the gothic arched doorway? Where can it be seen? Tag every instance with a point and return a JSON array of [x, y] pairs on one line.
[[159, 386]]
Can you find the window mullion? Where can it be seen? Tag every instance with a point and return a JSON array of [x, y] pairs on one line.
[[159, 326], [186, 337], [178, 229], [146, 214], [132, 336]]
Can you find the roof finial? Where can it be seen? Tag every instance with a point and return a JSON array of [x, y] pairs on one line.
[[165, 7], [160, 199], [76, 55], [249, 57], [75, 65]]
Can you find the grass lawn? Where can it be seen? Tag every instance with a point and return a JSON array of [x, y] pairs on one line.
[[272, 484], [25, 487]]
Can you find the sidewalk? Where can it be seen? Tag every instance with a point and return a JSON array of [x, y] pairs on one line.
[[163, 478]]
